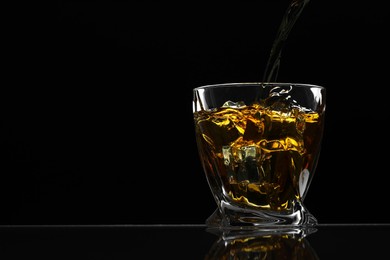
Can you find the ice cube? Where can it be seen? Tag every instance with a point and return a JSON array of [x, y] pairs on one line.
[[249, 152], [231, 104], [227, 154]]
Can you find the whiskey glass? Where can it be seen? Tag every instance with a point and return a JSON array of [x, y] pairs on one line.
[[259, 145]]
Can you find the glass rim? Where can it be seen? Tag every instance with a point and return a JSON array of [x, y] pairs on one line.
[[239, 84]]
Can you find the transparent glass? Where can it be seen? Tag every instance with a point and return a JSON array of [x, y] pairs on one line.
[[259, 144]]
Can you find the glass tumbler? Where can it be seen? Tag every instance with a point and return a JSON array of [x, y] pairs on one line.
[[259, 144]]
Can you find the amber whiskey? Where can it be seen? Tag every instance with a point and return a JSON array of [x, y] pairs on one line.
[[259, 155]]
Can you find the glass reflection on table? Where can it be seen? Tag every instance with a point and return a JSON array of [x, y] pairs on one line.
[[289, 243], [194, 241]]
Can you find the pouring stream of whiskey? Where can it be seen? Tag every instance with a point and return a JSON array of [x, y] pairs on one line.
[[292, 13]]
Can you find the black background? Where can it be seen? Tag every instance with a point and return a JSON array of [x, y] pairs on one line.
[[96, 111]]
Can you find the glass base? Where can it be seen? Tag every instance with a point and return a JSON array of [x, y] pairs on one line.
[[233, 217]]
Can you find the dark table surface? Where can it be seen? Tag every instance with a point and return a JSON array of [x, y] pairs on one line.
[[193, 241]]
